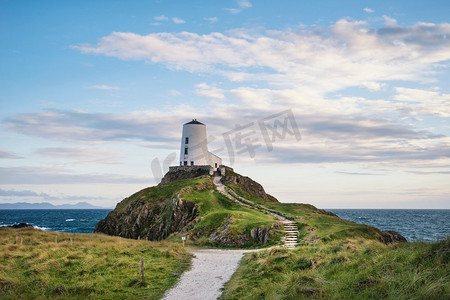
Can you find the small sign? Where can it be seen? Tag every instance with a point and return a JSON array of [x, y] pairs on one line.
[[183, 238]]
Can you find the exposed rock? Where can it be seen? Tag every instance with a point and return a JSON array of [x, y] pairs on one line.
[[312, 239], [390, 236], [151, 220], [246, 184], [186, 173], [260, 234], [20, 225]]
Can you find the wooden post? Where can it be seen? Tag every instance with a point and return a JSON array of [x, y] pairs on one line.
[[17, 239], [139, 237], [141, 270], [21, 240], [71, 241], [56, 239], [183, 238]]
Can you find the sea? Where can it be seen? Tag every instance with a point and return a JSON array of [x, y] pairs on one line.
[[414, 224]]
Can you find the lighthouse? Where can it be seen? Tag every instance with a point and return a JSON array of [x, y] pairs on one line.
[[194, 147]]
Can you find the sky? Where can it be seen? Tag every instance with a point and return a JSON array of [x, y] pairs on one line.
[[340, 104]]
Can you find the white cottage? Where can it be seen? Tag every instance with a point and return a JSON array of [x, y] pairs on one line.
[[194, 147]]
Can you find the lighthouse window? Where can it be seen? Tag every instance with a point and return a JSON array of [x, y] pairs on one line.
[[185, 163], [187, 141], [185, 150], [192, 163]]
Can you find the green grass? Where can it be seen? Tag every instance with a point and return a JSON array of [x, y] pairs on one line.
[[326, 227], [157, 193], [345, 269], [93, 267], [217, 211]]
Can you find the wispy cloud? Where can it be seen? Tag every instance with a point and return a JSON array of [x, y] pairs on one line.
[[43, 196], [8, 155], [368, 10], [104, 87], [41, 175], [203, 89], [348, 54], [178, 20], [211, 20], [233, 10], [81, 155], [174, 93], [242, 4], [161, 18]]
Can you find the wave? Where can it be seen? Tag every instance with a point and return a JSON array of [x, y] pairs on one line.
[[40, 228], [70, 220]]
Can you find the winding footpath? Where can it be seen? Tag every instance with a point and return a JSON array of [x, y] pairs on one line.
[[212, 268], [290, 239]]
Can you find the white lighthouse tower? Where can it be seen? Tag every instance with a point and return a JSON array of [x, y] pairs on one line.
[[194, 147]]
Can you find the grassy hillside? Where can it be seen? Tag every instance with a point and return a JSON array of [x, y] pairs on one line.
[[345, 269], [222, 216], [193, 208], [314, 224], [92, 267]]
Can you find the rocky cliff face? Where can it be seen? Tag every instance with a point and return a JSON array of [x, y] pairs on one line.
[[152, 219], [246, 184]]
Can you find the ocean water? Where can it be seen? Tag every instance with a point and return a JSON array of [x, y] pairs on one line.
[[414, 224], [67, 220]]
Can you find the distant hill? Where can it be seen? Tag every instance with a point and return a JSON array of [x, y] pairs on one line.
[[47, 205]]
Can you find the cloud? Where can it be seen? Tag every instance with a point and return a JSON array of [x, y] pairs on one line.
[[105, 87], [424, 101], [43, 175], [29, 194], [174, 93], [211, 20], [390, 22], [161, 18], [7, 155], [81, 155], [178, 20], [368, 10], [208, 91], [348, 53], [358, 173], [233, 10], [85, 127], [244, 3]]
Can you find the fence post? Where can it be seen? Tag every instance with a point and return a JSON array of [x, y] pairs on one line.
[[56, 239], [141, 270], [17, 239], [71, 241]]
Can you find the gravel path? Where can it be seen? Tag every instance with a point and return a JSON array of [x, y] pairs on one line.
[[211, 268]]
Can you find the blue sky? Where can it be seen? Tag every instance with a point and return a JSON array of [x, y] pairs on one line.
[[93, 92]]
